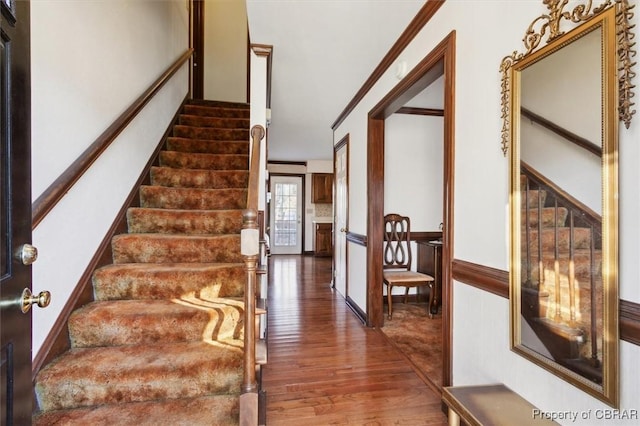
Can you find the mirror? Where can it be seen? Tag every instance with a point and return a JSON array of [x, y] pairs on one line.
[[561, 104]]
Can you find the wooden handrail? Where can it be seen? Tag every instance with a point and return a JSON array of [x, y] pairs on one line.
[[57, 190], [562, 132], [250, 248]]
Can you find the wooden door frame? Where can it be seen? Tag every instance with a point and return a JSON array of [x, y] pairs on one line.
[[197, 43], [303, 201], [441, 60], [344, 142]]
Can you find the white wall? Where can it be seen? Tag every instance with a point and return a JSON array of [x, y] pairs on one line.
[[487, 31], [258, 116], [90, 61], [413, 164], [575, 74], [225, 50]]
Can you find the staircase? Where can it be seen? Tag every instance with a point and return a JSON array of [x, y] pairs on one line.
[[162, 344], [561, 253]]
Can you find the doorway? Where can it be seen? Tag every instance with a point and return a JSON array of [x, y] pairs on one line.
[[439, 62], [285, 213]]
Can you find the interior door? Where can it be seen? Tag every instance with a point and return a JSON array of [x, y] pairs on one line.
[[286, 214], [341, 173], [15, 212]]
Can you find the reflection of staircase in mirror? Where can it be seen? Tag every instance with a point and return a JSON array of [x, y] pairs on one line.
[[561, 274]]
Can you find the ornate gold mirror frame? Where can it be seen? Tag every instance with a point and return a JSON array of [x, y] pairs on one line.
[[563, 137], [550, 27]]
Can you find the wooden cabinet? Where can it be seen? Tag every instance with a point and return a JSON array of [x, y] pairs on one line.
[[322, 188], [323, 239], [430, 262]]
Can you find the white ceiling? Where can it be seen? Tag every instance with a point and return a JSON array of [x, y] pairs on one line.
[[323, 51]]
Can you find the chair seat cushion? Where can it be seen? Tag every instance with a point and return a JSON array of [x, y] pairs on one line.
[[406, 278]]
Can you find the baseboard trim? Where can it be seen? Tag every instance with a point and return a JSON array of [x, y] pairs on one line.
[[496, 281], [356, 310], [57, 341]]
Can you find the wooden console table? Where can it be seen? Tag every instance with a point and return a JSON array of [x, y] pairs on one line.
[[430, 262], [491, 405]]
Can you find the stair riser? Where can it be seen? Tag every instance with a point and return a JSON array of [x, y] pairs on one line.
[[193, 199], [153, 248], [533, 198], [141, 220], [210, 133], [208, 410], [141, 282], [220, 122], [207, 147], [181, 160], [549, 218], [209, 179], [151, 322]]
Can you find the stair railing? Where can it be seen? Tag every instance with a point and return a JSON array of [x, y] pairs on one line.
[[578, 214], [250, 249], [562, 132]]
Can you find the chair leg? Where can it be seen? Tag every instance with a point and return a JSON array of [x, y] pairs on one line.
[[432, 301], [389, 302], [406, 295]]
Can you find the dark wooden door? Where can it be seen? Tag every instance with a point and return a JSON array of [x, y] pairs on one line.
[[15, 211]]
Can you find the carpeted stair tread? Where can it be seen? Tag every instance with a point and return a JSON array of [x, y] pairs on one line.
[[581, 238], [218, 104], [217, 111], [206, 146], [147, 322], [193, 198], [210, 133], [191, 160], [169, 281], [168, 221], [166, 248], [219, 410], [213, 121], [210, 179], [121, 374]]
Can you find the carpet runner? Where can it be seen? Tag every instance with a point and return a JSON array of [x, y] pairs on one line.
[[558, 264], [162, 342]]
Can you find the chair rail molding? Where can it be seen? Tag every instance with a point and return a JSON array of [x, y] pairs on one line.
[[496, 281]]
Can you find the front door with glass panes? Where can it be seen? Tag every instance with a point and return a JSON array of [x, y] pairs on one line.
[[285, 228]]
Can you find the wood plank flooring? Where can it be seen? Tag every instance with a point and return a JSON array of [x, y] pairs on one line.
[[325, 367]]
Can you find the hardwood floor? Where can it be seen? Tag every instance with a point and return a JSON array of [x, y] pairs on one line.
[[325, 367]]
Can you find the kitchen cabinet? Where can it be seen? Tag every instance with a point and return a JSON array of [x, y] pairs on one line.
[[322, 188], [323, 239]]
